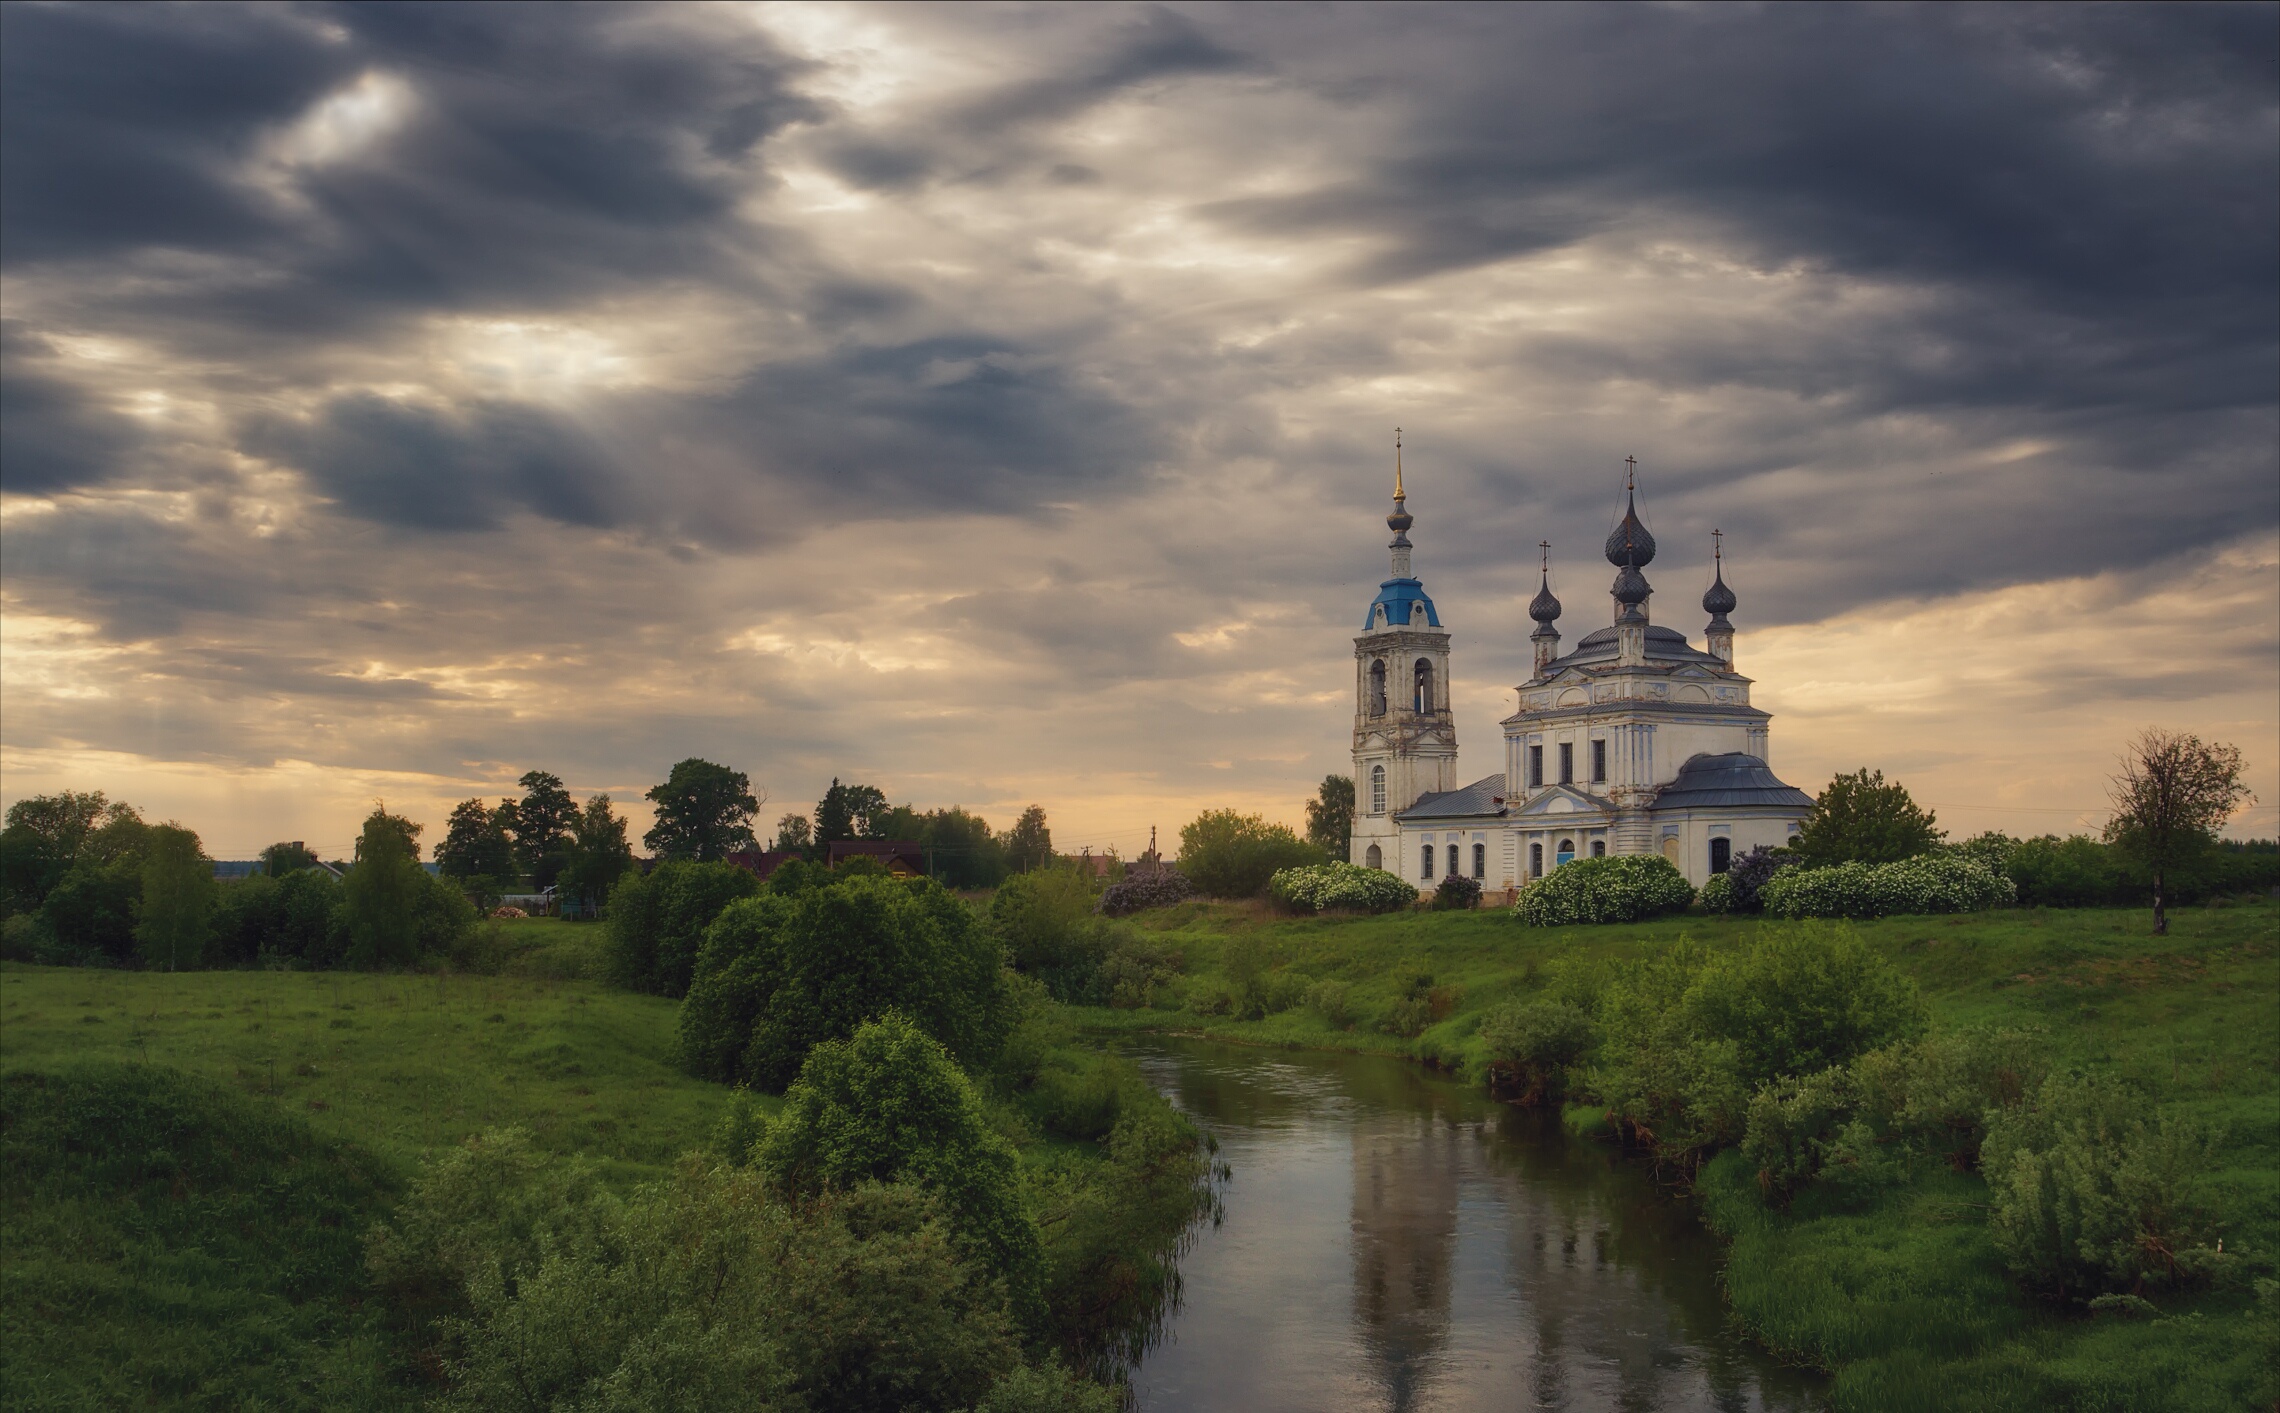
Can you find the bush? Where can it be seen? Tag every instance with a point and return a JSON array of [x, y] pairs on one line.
[[1047, 922], [1618, 888], [1347, 887], [1531, 1047], [1139, 892], [1457, 893], [1232, 855], [1331, 1000], [1716, 895], [1138, 971], [1929, 883], [2088, 1194], [657, 922], [2077, 872], [778, 975], [1740, 888]]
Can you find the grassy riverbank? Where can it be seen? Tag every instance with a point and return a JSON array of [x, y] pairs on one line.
[[1901, 1293]]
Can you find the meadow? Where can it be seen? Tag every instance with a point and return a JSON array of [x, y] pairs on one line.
[[1900, 1292]]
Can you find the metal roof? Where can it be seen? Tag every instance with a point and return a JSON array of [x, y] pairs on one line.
[[1482, 797], [1397, 595], [1732, 778]]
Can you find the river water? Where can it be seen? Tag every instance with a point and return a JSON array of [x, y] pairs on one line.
[[1392, 1240]]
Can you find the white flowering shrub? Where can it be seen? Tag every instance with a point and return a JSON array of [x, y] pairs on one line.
[[1351, 887], [1621, 888], [1928, 883], [1717, 895]]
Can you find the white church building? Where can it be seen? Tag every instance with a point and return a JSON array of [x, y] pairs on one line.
[[1633, 741]]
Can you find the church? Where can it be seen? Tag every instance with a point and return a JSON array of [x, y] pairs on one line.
[[1633, 741]]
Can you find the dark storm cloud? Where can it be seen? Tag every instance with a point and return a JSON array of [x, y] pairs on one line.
[[53, 435]]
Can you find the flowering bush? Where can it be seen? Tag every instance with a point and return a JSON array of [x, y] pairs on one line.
[[1928, 883], [1717, 894], [1457, 893], [1140, 891], [1620, 888], [1737, 889], [1320, 887]]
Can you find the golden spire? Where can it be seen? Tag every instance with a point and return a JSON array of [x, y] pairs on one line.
[[1398, 492]]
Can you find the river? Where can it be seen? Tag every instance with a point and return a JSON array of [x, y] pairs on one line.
[[1392, 1240]]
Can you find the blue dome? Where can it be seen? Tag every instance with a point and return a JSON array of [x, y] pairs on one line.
[[1395, 596]]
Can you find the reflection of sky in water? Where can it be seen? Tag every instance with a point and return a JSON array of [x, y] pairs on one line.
[[1396, 1242]]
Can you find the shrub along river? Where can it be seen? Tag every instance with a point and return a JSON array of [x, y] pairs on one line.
[[1393, 1240]]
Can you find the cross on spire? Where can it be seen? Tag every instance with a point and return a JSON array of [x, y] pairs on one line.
[[1398, 493], [1631, 477]]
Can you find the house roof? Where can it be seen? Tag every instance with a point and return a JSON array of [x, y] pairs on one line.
[[1664, 645], [1722, 781], [1483, 797]]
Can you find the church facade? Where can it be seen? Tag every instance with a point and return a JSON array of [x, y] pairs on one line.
[[1633, 741]]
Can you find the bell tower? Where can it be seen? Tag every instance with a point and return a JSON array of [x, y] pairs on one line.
[[1405, 736]]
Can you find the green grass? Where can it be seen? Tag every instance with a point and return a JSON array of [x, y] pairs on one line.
[[403, 1065], [1903, 1295]]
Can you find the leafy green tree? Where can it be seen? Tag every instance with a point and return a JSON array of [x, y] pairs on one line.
[[280, 859], [1029, 844], [475, 844], [1859, 818], [382, 894], [2075, 872], [1801, 999], [703, 812], [542, 821], [895, 822], [794, 835], [93, 909], [781, 973], [1229, 854], [1330, 816], [1531, 1047], [178, 897], [43, 839], [2173, 795], [599, 854], [889, 1104], [1046, 921], [657, 921], [961, 852], [845, 812]]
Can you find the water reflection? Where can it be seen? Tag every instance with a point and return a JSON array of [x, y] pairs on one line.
[[1392, 1241]]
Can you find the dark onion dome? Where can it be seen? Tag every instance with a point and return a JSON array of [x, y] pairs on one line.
[[1544, 608], [1400, 521], [1630, 543], [1720, 600], [1631, 587]]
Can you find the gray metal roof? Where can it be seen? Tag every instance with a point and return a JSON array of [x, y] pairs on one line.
[[1663, 645], [1733, 778], [1483, 796]]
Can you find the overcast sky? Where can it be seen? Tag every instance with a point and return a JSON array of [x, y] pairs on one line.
[[995, 403]]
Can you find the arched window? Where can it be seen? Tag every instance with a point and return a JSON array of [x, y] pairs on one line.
[[1422, 700], [1428, 860], [1375, 857], [1480, 860], [1566, 853], [1599, 848], [1721, 855], [1377, 789], [1454, 870], [1535, 861], [1377, 687]]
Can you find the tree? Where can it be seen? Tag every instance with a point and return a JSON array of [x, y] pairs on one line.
[[43, 839], [960, 850], [280, 859], [703, 811], [889, 1104], [1029, 844], [794, 835], [383, 891], [1229, 854], [845, 812], [93, 909], [475, 844], [542, 820], [1330, 816], [599, 854], [2173, 795], [1045, 919], [658, 920], [1861, 819], [178, 897]]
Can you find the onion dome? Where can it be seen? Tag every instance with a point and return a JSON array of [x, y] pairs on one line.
[[1544, 608], [1720, 600], [1630, 544], [1631, 588]]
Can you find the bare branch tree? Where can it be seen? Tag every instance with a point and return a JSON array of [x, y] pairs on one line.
[[2173, 795]]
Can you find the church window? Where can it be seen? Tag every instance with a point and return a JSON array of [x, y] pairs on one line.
[[1721, 855], [1566, 854], [1453, 869], [1535, 861], [1422, 702], [1375, 857], [1377, 688], [1599, 848], [1480, 860], [1535, 767], [1567, 762], [1428, 857], [1377, 789], [1599, 762]]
